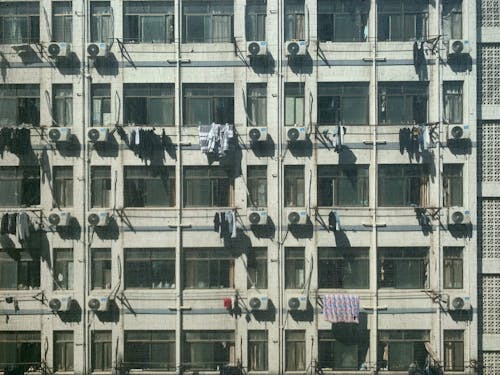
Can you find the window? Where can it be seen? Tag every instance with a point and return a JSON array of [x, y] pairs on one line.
[[208, 268], [342, 103], [208, 21], [19, 22], [343, 348], [343, 20], [453, 185], [20, 186], [257, 185], [453, 265], [62, 21], [256, 20], [101, 268], [19, 104], [63, 351], [402, 185], [149, 187], [294, 267], [148, 21], [101, 25], [63, 186], [63, 269], [294, 20], [256, 104], [295, 350], [342, 185], [402, 103], [100, 186], [452, 19], [101, 351], [257, 351], [257, 268], [101, 104], [149, 268], [403, 268], [294, 186], [204, 104], [63, 105], [22, 348], [294, 104], [343, 268], [399, 349], [208, 350], [207, 187], [21, 272], [150, 350], [402, 20], [453, 102], [454, 350], [149, 104]]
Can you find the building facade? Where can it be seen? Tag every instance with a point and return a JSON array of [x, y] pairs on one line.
[[349, 166]]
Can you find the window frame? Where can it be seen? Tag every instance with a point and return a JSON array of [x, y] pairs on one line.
[[257, 268], [159, 93], [340, 95], [295, 268], [405, 97], [62, 185], [102, 350], [164, 339], [294, 98], [294, 185], [101, 22], [209, 15], [136, 186], [150, 266], [168, 19], [453, 267], [333, 262], [405, 14], [416, 338], [390, 260], [255, 15], [64, 18], [218, 342], [456, 19], [329, 341], [218, 99], [23, 344], [337, 176], [102, 184], [19, 96], [63, 264], [453, 348], [453, 185], [101, 264], [62, 104], [258, 350], [339, 9], [204, 267], [63, 344], [26, 266], [101, 94], [453, 102], [257, 186], [24, 177], [30, 17], [412, 178], [295, 348], [256, 105], [294, 20], [221, 187]]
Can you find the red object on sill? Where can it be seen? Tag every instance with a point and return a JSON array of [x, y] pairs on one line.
[[228, 303]]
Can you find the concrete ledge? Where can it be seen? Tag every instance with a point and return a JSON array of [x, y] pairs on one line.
[[490, 189], [491, 266], [491, 342]]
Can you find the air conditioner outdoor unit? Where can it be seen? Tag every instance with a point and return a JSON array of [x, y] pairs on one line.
[[59, 218], [59, 49], [296, 48], [458, 47], [257, 217], [59, 134], [60, 303], [257, 134], [97, 303], [296, 134], [97, 50], [458, 216], [297, 217], [297, 303], [98, 218], [258, 302], [98, 134], [458, 132], [459, 302], [257, 48]]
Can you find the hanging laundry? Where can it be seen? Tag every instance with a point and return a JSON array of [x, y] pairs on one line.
[[12, 223], [334, 221], [223, 225], [4, 226], [215, 138], [23, 227], [228, 303], [231, 223], [341, 308], [216, 222]]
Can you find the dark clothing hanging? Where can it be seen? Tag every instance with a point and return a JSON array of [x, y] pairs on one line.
[[216, 222], [4, 226], [224, 226], [12, 223], [5, 139]]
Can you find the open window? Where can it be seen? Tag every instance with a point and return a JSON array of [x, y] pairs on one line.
[[403, 185], [20, 22], [403, 268], [148, 21]]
